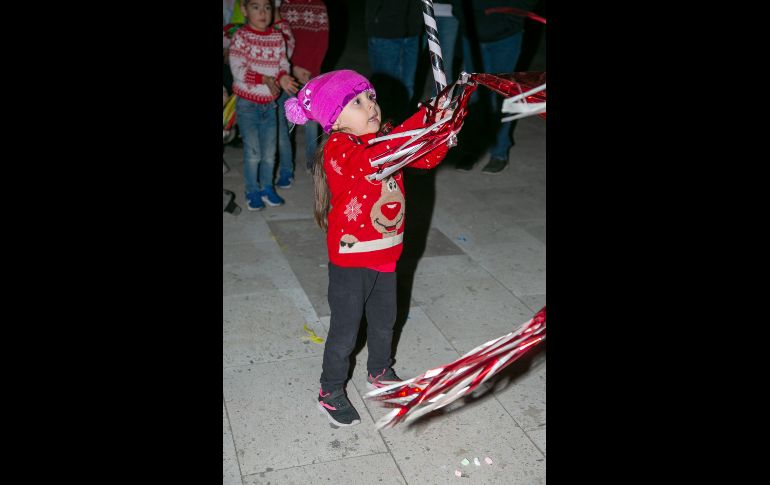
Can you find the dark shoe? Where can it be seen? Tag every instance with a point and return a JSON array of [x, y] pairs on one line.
[[270, 198], [254, 202], [384, 378], [337, 408], [495, 166], [285, 182]]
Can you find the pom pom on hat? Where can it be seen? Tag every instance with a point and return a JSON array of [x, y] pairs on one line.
[[294, 112]]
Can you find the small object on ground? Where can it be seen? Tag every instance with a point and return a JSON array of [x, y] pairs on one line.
[[488, 460], [229, 203], [476, 461], [313, 337], [465, 462]]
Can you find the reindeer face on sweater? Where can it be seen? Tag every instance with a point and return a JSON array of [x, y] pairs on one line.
[[387, 214]]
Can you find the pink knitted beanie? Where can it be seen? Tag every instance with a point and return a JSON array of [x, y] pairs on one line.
[[324, 97]]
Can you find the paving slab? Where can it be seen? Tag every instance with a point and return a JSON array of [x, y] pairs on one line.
[[264, 327], [231, 474], [275, 421]]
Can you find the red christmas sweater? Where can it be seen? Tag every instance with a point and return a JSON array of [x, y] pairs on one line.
[[254, 54], [366, 219], [310, 25]]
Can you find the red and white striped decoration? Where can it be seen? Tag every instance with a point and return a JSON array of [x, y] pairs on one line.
[[438, 387], [436, 58]]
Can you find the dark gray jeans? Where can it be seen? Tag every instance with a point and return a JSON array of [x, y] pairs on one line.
[[353, 291]]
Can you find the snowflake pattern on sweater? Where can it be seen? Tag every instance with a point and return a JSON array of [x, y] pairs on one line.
[[254, 54], [353, 209], [310, 25], [305, 15]]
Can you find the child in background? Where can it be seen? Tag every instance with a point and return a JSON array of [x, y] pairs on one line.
[[364, 221], [260, 67], [309, 23]]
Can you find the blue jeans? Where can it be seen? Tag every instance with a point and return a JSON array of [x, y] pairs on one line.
[[497, 57], [396, 59], [312, 130], [286, 160], [259, 130]]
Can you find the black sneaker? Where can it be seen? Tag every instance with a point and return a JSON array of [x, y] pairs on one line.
[[495, 166], [337, 408], [384, 378]]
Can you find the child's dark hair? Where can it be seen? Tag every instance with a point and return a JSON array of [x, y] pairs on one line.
[[322, 195], [245, 3]]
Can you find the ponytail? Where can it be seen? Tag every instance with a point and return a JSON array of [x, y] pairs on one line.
[[321, 187]]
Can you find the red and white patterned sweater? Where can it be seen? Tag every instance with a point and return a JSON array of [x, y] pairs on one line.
[[310, 25], [366, 220], [254, 54]]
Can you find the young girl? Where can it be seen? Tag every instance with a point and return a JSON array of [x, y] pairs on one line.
[[364, 221], [260, 64]]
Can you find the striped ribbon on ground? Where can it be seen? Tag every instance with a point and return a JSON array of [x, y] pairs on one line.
[[436, 60]]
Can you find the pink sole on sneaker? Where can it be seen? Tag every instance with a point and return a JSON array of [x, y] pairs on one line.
[[331, 419]]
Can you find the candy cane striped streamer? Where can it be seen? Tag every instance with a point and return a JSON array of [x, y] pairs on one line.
[[436, 59]]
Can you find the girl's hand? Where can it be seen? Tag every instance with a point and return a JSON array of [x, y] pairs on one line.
[[289, 84], [446, 112], [440, 113], [271, 84]]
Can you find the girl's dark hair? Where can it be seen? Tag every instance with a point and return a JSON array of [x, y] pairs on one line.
[[322, 195]]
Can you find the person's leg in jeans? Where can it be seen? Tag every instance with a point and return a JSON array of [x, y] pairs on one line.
[[347, 294], [248, 114], [394, 65], [311, 142], [447, 37], [380, 318], [470, 65], [285, 157], [385, 61], [268, 134], [501, 56], [410, 49], [473, 136]]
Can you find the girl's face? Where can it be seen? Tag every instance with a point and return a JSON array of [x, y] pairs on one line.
[[361, 115], [258, 13]]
